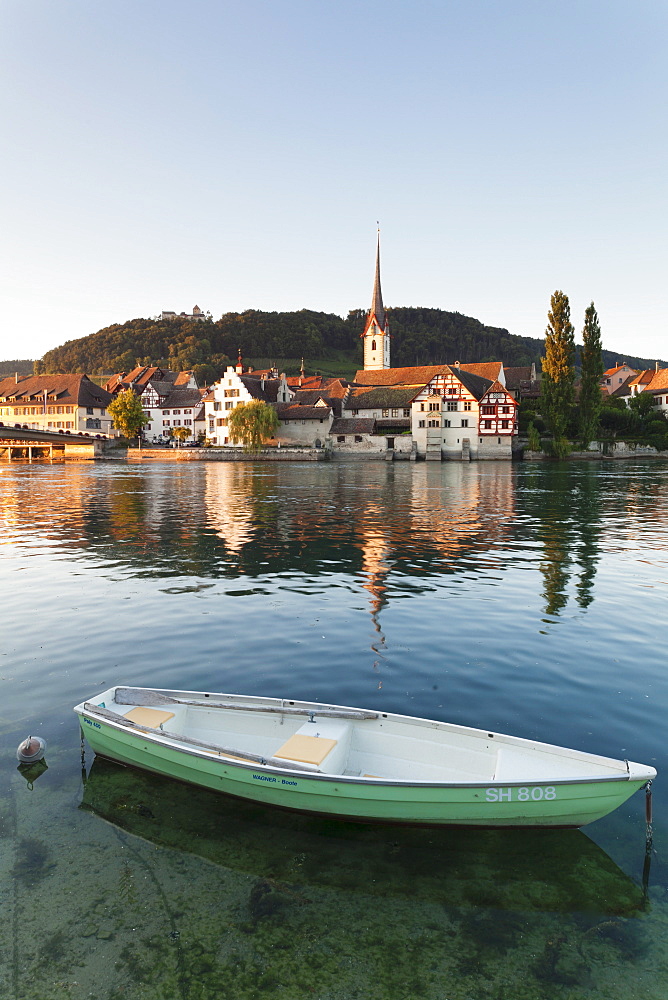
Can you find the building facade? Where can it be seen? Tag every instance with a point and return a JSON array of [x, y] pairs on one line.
[[56, 402]]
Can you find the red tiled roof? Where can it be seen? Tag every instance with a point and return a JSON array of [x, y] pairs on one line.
[[486, 369], [659, 381], [399, 376]]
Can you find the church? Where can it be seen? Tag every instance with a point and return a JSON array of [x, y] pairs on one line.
[[451, 411]]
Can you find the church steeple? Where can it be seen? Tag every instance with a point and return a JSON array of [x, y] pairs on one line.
[[376, 331]]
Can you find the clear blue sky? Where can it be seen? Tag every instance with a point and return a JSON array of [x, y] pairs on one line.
[[163, 153]]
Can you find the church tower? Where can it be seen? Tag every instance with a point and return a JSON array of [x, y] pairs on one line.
[[376, 336]]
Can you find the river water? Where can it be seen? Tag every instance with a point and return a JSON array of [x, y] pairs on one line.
[[528, 599]]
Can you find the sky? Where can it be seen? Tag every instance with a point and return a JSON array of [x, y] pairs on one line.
[[238, 154]]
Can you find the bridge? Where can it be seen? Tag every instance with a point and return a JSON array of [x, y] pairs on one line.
[[28, 443]]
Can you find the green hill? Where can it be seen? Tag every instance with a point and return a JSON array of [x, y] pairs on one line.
[[326, 342], [24, 367]]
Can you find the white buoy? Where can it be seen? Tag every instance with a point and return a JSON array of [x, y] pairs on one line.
[[31, 750]]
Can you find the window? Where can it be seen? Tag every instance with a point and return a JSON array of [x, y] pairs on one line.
[[59, 409], [452, 404], [446, 423], [229, 406], [433, 423], [452, 391], [421, 423], [505, 409], [465, 423], [68, 409], [187, 423], [373, 345], [221, 422], [176, 411], [358, 439], [341, 439], [505, 424], [407, 412], [165, 423], [386, 413], [231, 392], [395, 413], [421, 406], [187, 411], [434, 406], [165, 413], [487, 425], [355, 412], [489, 410], [216, 405], [467, 404]]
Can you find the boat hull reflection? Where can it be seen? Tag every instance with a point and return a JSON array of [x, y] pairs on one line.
[[527, 870]]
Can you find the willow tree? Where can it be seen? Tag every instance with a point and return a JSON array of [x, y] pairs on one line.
[[592, 370], [128, 413], [252, 424], [557, 391]]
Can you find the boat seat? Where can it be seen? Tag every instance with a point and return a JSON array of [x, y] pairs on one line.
[[306, 749], [151, 717]]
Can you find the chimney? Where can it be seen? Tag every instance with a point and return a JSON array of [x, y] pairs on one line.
[[656, 368]]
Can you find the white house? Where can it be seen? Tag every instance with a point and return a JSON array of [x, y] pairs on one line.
[[234, 388]]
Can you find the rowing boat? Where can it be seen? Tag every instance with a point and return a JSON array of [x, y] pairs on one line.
[[355, 763]]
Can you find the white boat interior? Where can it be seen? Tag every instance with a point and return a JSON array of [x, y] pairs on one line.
[[334, 740]]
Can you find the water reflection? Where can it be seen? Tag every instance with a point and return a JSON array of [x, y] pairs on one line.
[[389, 525], [521, 870]]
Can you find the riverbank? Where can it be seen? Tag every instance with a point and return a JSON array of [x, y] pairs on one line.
[[225, 455], [599, 450]]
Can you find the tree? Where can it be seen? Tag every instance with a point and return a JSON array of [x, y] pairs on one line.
[[642, 404], [180, 433], [534, 437], [557, 385], [592, 369], [128, 414], [252, 423]]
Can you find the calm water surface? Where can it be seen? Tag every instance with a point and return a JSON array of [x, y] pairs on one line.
[[524, 599]]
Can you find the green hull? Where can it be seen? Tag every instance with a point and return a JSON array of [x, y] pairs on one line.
[[545, 804]]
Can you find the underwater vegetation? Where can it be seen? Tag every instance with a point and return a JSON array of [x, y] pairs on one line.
[[33, 860]]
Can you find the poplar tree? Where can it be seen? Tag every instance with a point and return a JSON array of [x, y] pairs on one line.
[[557, 385], [592, 370]]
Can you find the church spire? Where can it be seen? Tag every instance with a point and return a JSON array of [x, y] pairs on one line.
[[376, 334], [377, 309]]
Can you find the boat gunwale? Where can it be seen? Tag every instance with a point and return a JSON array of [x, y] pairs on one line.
[[172, 742]]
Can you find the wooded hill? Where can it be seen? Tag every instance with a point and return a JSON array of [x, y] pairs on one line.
[[326, 342]]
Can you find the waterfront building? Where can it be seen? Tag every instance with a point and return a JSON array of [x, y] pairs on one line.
[[55, 402], [237, 387], [170, 399], [658, 387]]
